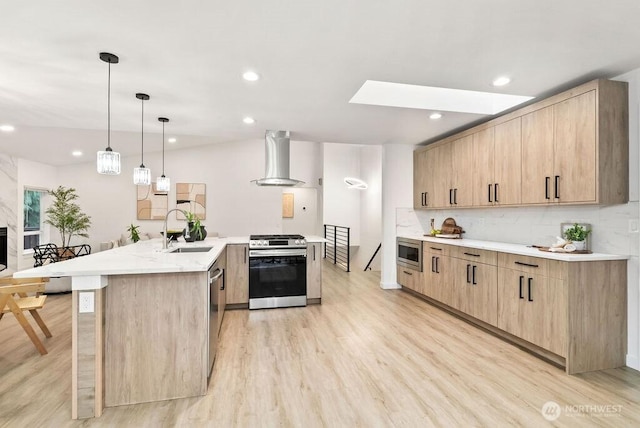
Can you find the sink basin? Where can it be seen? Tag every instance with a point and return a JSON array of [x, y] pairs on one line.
[[191, 250]]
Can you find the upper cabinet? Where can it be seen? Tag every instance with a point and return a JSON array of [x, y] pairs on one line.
[[571, 148]]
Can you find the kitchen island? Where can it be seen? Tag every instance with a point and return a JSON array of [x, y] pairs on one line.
[[141, 328]]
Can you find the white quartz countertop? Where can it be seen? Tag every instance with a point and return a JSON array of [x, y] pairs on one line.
[[519, 249], [142, 258]]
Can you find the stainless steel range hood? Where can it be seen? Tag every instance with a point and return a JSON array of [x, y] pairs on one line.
[[277, 161]]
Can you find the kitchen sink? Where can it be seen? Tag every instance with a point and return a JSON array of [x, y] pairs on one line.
[[191, 250]]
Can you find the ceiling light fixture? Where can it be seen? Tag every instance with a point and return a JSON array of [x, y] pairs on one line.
[[501, 81], [355, 183], [142, 175], [251, 76], [435, 116], [108, 160], [249, 120], [7, 128], [172, 140], [163, 183], [76, 153]]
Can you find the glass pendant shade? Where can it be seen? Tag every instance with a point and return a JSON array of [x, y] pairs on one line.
[[141, 175], [163, 184], [108, 161]]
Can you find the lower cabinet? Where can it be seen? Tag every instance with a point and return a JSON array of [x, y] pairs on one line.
[[237, 274], [314, 272], [573, 313], [534, 308]]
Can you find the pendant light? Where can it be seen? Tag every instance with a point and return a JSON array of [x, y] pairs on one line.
[[142, 175], [108, 160], [163, 184]]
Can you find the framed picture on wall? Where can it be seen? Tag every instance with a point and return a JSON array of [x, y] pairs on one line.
[[191, 197], [151, 203]]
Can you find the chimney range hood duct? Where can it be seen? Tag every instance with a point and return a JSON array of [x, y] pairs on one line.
[[277, 161]]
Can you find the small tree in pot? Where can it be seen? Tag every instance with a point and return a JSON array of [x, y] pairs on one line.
[[66, 216]]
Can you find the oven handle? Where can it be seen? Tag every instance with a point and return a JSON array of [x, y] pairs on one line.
[[277, 253]]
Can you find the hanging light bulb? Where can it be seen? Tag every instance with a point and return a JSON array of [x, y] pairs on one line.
[[163, 184], [108, 160], [142, 175]]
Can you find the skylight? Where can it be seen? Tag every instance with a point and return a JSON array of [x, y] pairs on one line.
[[431, 98]]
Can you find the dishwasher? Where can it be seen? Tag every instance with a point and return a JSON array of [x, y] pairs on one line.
[[216, 307]]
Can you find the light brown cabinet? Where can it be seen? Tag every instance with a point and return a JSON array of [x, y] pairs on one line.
[[573, 313], [314, 272], [237, 280], [571, 148]]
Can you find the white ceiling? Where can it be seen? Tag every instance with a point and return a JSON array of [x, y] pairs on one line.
[[313, 56]]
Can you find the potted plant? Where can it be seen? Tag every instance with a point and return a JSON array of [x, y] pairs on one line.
[[577, 235], [65, 215], [134, 234], [197, 231]]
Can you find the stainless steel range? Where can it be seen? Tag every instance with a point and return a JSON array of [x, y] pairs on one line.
[[277, 271]]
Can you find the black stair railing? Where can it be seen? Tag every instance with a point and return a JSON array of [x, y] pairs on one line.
[[368, 267], [337, 247]]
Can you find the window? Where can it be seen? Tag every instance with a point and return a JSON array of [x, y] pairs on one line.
[[32, 218]]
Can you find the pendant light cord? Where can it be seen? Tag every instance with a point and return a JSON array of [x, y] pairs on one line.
[[109, 108], [142, 129], [163, 149]]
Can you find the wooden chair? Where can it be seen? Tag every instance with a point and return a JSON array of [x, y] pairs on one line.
[[14, 298]]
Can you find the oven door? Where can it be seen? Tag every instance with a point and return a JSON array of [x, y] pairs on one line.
[[277, 278]]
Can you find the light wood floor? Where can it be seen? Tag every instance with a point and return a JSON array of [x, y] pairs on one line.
[[366, 357]]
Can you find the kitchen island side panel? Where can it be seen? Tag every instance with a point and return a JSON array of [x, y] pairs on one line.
[[155, 337]]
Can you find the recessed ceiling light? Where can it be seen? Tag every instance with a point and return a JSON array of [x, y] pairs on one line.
[[172, 140], [76, 153], [249, 120], [435, 116], [501, 81], [433, 98], [7, 128], [251, 76]]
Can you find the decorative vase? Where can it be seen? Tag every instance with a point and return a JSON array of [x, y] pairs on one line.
[[580, 245], [200, 236], [192, 235]]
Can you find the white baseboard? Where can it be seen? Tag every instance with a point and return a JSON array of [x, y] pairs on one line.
[[389, 285], [633, 361]]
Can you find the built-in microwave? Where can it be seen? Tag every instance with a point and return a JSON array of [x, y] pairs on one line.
[[409, 253]]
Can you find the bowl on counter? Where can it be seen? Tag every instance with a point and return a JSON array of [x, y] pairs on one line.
[[173, 234]]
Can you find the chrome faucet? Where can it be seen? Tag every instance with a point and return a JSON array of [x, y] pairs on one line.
[[166, 238]]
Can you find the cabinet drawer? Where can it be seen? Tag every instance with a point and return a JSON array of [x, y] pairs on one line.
[[408, 278], [473, 255], [528, 264], [437, 249]]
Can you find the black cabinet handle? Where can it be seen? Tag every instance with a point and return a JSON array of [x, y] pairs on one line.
[[546, 187], [245, 255], [474, 275], [495, 192], [471, 254], [437, 268], [468, 273], [557, 187], [314, 253], [426, 199], [450, 196], [525, 264], [408, 273], [521, 283], [437, 249], [529, 281], [455, 196], [433, 264], [489, 192]]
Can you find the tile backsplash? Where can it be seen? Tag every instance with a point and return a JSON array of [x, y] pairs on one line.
[[533, 225]]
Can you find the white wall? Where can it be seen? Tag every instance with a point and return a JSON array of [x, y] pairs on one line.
[[370, 207], [235, 207], [8, 205], [305, 212], [397, 191], [341, 205]]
